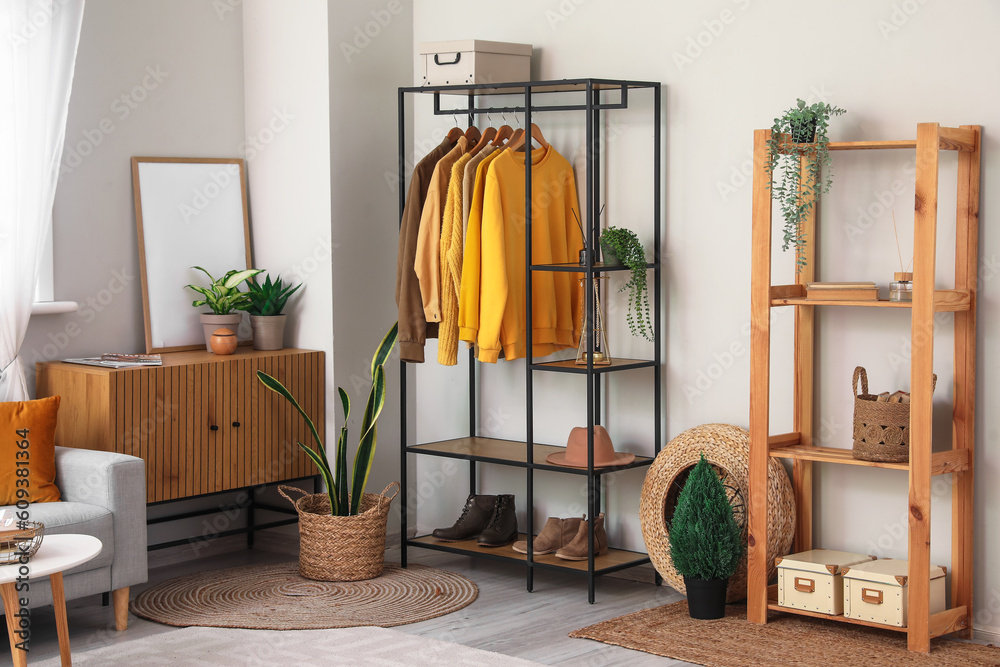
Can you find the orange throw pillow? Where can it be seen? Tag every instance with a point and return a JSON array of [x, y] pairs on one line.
[[34, 423]]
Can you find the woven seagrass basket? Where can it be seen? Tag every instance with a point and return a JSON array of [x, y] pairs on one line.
[[341, 548], [881, 430]]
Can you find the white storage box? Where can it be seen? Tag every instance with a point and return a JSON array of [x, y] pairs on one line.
[[473, 61], [878, 591], [812, 580]]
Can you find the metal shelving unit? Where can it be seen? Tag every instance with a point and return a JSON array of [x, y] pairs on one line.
[[599, 95]]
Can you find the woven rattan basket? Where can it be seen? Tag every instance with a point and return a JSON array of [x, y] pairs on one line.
[[727, 448], [341, 548], [881, 430]]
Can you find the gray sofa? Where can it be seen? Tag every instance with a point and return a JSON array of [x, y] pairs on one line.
[[104, 495]]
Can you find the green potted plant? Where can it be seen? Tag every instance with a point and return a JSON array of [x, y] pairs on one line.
[[799, 132], [224, 298], [705, 541], [622, 246], [342, 531], [266, 301]]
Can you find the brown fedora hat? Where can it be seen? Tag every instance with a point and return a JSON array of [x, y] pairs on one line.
[[575, 455]]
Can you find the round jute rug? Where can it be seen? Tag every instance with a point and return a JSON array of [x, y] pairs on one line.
[[276, 597]]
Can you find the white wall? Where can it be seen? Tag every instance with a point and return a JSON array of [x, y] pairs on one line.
[[370, 56], [287, 115], [152, 78], [730, 67]]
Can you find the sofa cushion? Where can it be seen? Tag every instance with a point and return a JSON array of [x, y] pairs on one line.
[[28, 446], [62, 518]]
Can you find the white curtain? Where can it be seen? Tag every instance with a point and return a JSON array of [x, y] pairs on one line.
[[38, 42]]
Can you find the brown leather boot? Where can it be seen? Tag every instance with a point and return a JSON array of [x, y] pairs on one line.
[[577, 549], [501, 529], [475, 515], [556, 533]]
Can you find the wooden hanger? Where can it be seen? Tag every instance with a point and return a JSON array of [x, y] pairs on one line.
[[488, 135], [472, 135], [535, 133], [503, 134], [454, 133]]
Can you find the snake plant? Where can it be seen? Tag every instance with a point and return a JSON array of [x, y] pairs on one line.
[[223, 295], [345, 495]]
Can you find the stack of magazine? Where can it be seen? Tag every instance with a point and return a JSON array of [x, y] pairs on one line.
[[118, 360]]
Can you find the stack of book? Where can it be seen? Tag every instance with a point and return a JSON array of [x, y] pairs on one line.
[[118, 360], [842, 291]]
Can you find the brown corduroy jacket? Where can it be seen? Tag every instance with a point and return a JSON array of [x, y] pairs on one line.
[[413, 327]]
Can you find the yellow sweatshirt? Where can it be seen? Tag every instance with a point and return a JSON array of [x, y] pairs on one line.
[[451, 278], [555, 239], [468, 300]]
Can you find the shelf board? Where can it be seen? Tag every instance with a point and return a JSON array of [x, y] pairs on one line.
[[510, 453], [615, 559], [575, 267], [954, 460], [518, 88], [942, 623], [945, 300], [949, 139], [570, 366]]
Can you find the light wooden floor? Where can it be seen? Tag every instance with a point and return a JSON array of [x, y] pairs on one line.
[[505, 618]]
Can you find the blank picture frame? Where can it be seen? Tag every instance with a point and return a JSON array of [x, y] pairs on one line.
[[188, 212]]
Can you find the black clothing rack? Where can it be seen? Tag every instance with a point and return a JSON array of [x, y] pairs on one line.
[[529, 455]]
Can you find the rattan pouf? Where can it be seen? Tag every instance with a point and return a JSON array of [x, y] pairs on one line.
[[727, 448]]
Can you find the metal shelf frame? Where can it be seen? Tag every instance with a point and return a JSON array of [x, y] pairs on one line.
[[595, 93]]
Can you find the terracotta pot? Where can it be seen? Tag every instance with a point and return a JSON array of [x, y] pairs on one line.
[[210, 322], [223, 341], [268, 331]]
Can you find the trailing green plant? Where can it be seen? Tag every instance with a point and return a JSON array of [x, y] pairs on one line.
[[800, 132], [268, 299], [626, 246], [705, 540], [223, 295], [346, 493]]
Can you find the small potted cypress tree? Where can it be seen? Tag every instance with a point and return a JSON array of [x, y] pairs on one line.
[[705, 542]]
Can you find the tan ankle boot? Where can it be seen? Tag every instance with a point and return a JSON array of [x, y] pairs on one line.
[[577, 549], [556, 533]]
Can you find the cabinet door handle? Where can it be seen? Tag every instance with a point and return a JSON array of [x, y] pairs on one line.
[[236, 424], [213, 427]]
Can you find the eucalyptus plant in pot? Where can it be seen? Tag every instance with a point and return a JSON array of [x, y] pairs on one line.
[[266, 302], [342, 531], [800, 132], [225, 299], [622, 246], [705, 541]]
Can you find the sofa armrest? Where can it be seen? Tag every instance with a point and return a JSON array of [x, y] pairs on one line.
[[116, 482]]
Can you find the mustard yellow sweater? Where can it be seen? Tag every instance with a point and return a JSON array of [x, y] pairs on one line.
[[555, 239], [468, 300], [450, 265]]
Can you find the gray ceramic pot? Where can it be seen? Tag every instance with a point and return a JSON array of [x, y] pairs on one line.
[[268, 331], [210, 322]]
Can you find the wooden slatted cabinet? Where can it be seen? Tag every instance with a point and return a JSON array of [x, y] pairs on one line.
[[798, 446], [202, 423]]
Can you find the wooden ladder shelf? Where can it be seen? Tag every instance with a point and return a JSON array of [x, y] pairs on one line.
[[798, 445]]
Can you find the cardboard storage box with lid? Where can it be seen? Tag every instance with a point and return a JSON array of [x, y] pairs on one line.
[[812, 580], [473, 61], [878, 591]]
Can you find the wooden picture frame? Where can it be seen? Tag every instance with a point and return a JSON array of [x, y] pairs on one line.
[[188, 212]]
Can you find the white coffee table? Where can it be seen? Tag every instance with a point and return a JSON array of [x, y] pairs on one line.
[[57, 554]]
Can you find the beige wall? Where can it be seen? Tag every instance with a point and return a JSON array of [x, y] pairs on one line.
[[728, 68]]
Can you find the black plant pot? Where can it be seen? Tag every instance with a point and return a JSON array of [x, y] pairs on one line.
[[706, 597], [804, 133]]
